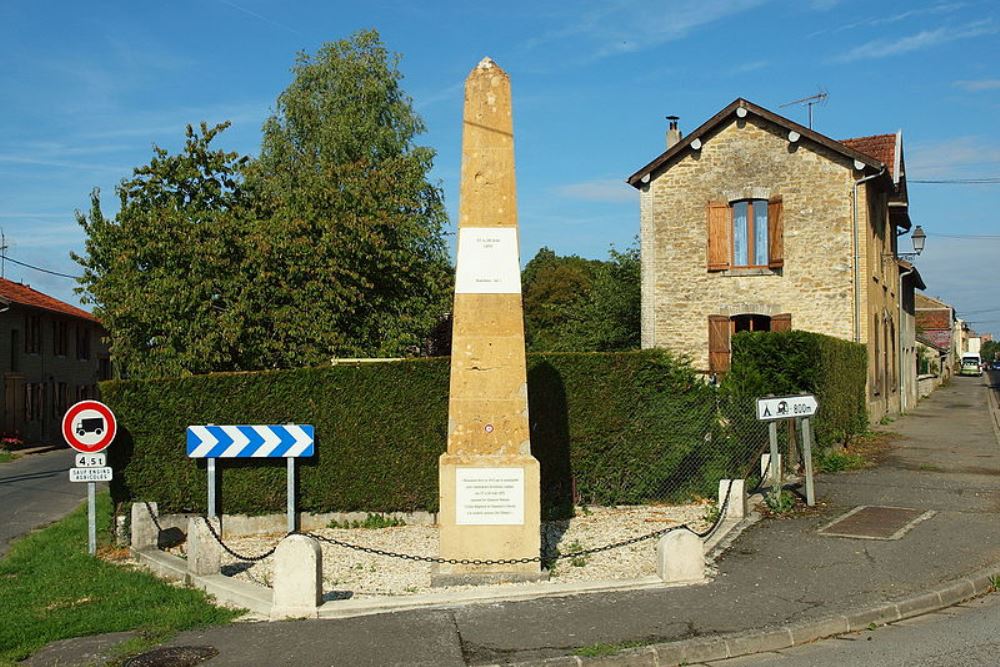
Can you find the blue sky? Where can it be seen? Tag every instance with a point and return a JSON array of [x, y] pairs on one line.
[[88, 88]]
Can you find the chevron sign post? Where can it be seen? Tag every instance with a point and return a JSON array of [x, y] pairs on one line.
[[287, 441], [243, 442]]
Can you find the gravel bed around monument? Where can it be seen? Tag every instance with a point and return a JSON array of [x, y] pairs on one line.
[[348, 573]]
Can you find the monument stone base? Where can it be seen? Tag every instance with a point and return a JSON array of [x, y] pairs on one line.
[[490, 510]]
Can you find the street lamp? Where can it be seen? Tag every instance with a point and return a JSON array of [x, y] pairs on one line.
[[919, 237]]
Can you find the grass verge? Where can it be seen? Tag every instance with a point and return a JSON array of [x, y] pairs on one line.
[[51, 589], [6, 456]]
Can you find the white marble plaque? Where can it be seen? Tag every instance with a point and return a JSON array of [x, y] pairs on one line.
[[488, 261], [489, 496]]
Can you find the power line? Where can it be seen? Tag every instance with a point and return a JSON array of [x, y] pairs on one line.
[[988, 180], [966, 236], [38, 268]]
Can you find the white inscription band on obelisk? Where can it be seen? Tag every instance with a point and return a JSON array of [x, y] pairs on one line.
[[488, 261]]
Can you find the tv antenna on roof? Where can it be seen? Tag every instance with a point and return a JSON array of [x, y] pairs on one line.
[[818, 98]]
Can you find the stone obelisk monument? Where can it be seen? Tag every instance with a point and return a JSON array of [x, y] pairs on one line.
[[489, 481]]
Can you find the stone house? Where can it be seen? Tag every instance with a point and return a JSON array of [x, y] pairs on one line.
[[753, 222], [939, 328], [55, 356], [909, 282]]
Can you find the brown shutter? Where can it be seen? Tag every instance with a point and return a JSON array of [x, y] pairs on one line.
[[718, 343], [719, 235], [775, 234], [782, 322]]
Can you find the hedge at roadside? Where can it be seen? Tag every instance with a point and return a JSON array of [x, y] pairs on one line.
[[615, 428], [793, 362]]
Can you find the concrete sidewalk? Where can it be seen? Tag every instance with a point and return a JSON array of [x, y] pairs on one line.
[[778, 583]]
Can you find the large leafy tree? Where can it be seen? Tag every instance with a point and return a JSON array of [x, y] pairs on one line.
[[161, 272], [353, 238], [573, 304], [330, 244]]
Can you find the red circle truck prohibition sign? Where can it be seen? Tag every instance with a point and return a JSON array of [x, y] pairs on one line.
[[89, 426]]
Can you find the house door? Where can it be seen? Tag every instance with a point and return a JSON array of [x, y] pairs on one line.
[[13, 414]]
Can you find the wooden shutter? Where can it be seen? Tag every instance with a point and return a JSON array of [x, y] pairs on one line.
[[782, 322], [718, 343], [719, 236], [775, 234]]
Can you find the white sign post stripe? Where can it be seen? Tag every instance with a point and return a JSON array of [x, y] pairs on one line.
[[208, 441]]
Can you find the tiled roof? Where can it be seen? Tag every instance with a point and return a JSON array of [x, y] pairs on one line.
[[933, 319], [24, 295], [882, 147]]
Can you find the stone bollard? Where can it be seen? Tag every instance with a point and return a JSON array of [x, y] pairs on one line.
[[737, 505], [298, 578], [680, 558], [204, 555], [145, 535]]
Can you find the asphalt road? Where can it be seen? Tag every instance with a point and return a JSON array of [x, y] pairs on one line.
[[35, 490], [962, 635]]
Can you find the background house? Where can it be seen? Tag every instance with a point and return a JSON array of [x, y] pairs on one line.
[[939, 328], [756, 223], [52, 354]]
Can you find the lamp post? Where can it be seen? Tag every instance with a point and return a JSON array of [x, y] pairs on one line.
[[919, 237]]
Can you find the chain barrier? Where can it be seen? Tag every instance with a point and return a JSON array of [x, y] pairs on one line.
[[723, 508]]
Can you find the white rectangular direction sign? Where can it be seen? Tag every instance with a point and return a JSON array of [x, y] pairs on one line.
[[91, 460], [786, 407], [90, 474]]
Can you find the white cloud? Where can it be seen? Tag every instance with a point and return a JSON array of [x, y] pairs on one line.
[[626, 26], [885, 47], [600, 190], [949, 157], [978, 85], [871, 22]]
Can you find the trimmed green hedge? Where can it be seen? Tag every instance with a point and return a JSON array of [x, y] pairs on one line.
[[613, 428], [793, 362]]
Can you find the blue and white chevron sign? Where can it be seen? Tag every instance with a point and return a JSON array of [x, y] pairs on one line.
[[244, 442]]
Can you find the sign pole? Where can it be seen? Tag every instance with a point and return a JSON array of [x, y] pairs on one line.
[[807, 455], [291, 494], [92, 518], [772, 432], [211, 488]]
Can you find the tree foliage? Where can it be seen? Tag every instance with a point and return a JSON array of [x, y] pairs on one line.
[[329, 244], [573, 304], [163, 273]]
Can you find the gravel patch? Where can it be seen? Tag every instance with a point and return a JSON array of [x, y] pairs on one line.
[[348, 573]]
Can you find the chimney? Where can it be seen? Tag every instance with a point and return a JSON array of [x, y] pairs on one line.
[[673, 134]]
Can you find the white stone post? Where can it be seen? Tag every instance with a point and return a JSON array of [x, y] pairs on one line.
[[680, 558], [736, 508], [298, 578], [204, 555], [766, 469], [144, 532]]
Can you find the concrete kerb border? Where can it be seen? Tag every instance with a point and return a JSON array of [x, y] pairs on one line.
[[258, 599], [720, 647], [993, 406]]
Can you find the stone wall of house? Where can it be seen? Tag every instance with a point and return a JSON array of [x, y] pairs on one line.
[[747, 158], [880, 273]]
